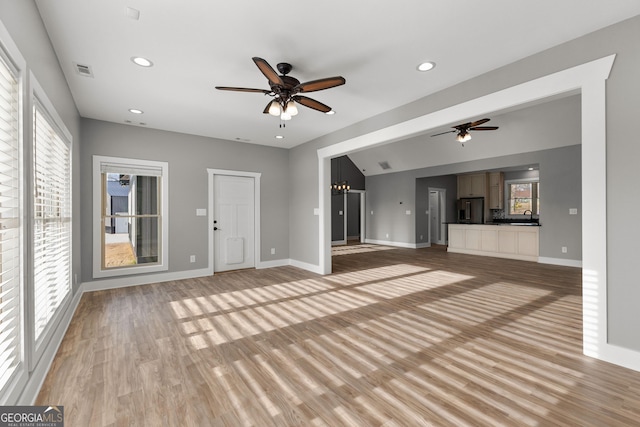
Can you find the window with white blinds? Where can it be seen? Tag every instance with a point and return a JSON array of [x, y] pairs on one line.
[[52, 219], [10, 227]]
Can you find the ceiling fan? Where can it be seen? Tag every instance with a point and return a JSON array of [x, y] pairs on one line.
[[285, 90], [463, 129]]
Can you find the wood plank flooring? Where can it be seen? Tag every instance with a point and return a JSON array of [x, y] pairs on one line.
[[394, 337]]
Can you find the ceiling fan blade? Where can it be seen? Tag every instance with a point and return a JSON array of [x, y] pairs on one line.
[[312, 103], [242, 89], [320, 84], [478, 122], [268, 71], [484, 128], [463, 126], [449, 131]]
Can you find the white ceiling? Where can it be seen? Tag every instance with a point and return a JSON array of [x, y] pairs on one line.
[[198, 44]]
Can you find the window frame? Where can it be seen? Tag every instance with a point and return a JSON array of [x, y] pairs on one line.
[[98, 229], [534, 201], [39, 99], [14, 383]]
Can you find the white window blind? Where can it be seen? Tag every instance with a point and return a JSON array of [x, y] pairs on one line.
[[52, 219], [10, 274]]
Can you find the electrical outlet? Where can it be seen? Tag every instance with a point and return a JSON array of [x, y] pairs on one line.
[[192, 258], [273, 251], [387, 235], [564, 249]]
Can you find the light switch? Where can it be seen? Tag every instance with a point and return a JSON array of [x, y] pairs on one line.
[[201, 212], [316, 211], [408, 212], [340, 213], [573, 211]]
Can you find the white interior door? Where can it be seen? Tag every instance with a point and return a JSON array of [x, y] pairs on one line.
[[234, 222]]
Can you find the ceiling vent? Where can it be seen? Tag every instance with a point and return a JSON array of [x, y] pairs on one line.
[[83, 70], [384, 165]]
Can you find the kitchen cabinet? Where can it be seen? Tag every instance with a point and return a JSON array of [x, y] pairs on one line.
[[502, 241], [472, 185], [496, 190]]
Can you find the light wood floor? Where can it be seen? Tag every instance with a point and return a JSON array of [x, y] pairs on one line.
[[395, 337]]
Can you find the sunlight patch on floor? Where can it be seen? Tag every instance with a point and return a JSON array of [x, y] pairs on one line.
[[358, 249]]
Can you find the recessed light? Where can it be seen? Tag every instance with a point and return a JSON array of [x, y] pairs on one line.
[[426, 66], [279, 137], [143, 62], [331, 112], [135, 111]]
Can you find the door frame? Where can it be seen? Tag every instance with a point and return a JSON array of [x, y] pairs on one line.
[[345, 217], [210, 207], [442, 199]]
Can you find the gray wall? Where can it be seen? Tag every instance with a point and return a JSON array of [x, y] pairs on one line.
[[622, 154], [189, 157]]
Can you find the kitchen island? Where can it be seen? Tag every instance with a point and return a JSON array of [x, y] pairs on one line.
[[514, 241]]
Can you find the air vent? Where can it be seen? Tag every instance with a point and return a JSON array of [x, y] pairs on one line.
[[83, 70], [384, 165]]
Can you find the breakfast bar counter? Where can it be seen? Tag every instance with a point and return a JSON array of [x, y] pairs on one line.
[[518, 241]]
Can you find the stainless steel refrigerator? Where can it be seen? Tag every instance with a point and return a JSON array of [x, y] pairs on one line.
[[471, 210]]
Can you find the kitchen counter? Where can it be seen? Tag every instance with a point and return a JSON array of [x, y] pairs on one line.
[[504, 240]]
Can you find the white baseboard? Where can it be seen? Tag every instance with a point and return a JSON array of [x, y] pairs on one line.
[[423, 245], [35, 381], [273, 263], [338, 242], [396, 244], [620, 356], [123, 282], [560, 261], [306, 266]]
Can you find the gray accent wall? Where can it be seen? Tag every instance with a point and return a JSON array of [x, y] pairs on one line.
[[189, 158], [623, 152]]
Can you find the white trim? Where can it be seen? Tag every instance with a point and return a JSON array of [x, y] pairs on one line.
[[590, 80], [39, 100], [338, 242], [163, 263], [211, 173], [273, 263], [124, 282], [560, 261], [306, 266], [398, 244], [41, 369]]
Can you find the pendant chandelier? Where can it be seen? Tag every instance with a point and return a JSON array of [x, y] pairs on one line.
[[340, 186]]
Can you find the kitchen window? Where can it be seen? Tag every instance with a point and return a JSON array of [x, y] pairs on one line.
[[130, 216], [523, 196]]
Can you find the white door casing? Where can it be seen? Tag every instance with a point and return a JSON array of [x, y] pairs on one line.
[[234, 206]]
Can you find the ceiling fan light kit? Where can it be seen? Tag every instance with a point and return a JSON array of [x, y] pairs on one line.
[[463, 129], [285, 89]]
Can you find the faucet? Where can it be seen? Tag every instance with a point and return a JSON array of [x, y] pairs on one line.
[[530, 213]]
